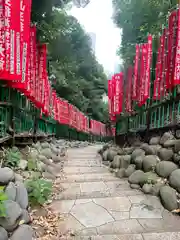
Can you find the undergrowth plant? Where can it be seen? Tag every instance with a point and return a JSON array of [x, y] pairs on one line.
[[3, 197], [39, 191], [32, 165], [12, 158]]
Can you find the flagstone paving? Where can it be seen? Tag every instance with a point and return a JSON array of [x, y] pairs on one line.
[[98, 206]]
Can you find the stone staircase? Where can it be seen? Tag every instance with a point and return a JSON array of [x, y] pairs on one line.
[[96, 205]]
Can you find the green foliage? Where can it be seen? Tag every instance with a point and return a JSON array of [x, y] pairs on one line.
[[12, 158], [137, 18], [3, 197], [39, 191], [79, 78], [32, 166]]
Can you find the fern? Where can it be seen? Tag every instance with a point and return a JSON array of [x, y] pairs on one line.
[[39, 191], [12, 158], [3, 197]]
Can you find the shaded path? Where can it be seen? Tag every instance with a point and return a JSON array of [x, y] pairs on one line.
[[98, 206]]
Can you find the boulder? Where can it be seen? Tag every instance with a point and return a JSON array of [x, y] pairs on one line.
[[174, 180], [22, 164], [165, 154], [138, 162], [45, 145], [169, 143], [120, 173], [18, 177], [147, 188], [13, 212], [116, 162], [176, 158], [149, 162], [48, 175], [21, 195], [154, 140], [156, 149], [150, 178], [40, 166], [177, 133], [10, 191], [57, 159], [25, 217], [177, 146], [127, 151], [149, 150], [165, 168], [55, 150], [168, 198], [125, 161], [135, 186], [47, 153], [136, 153], [24, 232], [6, 175], [105, 155], [166, 136], [131, 168], [156, 188], [111, 154], [45, 160], [136, 177], [3, 234]]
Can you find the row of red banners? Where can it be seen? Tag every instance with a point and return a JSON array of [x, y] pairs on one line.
[[135, 83], [23, 64]]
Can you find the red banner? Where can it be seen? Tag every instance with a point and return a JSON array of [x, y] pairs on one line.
[[176, 79], [136, 65], [2, 38], [118, 93]]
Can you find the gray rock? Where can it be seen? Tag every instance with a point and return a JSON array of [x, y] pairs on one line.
[[3, 234], [57, 159], [45, 145], [165, 168], [156, 148], [127, 151], [105, 155], [177, 146], [52, 170], [165, 154], [55, 150], [22, 164], [21, 195], [25, 217], [135, 186], [166, 136], [120, 173], [150, 178], [156, 188], [147, 188], [149, 150], [174, 180], [111, 154], [40, 166], [47, 153], [136, 177], [178, 133], [168, 198], [11, 191], [149, 162], [136, 153], [13, 212], [24, 232], [130, 170], [154, 140], [116, 162], [176, 158], [169, 143], [6, 175], [48, 175], [139, 161], [125, 161], [18, 177]]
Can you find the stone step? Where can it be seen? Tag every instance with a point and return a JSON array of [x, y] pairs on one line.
[[94, 177], [96, 189], [83, 170], [143, 236]]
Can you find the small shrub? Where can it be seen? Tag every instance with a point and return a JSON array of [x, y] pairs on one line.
[[39, 191], [12, 158], [32, 166], [3, 197]]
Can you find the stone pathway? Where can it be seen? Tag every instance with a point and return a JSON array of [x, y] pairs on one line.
[[98, 206]]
